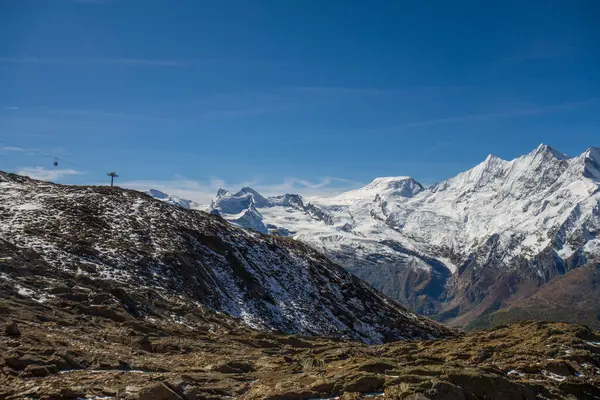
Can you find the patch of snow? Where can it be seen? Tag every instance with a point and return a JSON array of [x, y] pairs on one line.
[[553, 376]]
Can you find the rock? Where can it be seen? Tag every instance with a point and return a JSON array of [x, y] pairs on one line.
[[322, 387], [143, 344], [37, 371], [158, 392], [559, 368], [189, 393], [365, 384], [483, 355], [232, 367], [182, 388], [377, 367], [529, 369], [491, 387], [133, 389], [72, 393], [445, 391], [351, 396], [461, 356], [12, 330], [109, 392], [419, 396], [19, 363]]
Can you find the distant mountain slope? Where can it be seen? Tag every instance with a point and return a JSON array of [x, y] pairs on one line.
[[458, 249], [572, 297], [124, 238]]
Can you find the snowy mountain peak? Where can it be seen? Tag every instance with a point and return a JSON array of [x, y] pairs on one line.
[[222, 192], [392, 186], [157, 194], [258, 199], [592, 154], [545, 149], [173, 200], [492, 158], [403, 186], [591, 162]]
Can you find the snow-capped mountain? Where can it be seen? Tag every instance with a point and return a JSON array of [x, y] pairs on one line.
[[450, 248], [174, 200], [131, 244]]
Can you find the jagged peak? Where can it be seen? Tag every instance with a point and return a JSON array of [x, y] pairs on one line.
[[491, 158], [157, 194], [258, 199], [386, 179], [591, 164], [593, 153], [247, 190], [546, 149], [393, 182], [404, 186], [222, 192]]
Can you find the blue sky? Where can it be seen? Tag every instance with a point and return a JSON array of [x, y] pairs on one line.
[[304, 96]]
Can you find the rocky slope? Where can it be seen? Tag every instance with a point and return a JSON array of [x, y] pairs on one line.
[[123, 248], [60, 349], [459, 249], [573, 297]]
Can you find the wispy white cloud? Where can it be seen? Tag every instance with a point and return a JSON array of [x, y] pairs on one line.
[[340, 91], [46, 174], [95, 61], [104, 113], [13, 148], [492, 116], [345, 91], [19, 150], [134, 61], [13, 108], [204, 192], [91, 1], [248, 111]]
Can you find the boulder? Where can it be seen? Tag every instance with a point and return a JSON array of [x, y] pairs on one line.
[[158, 392], [12, 330]]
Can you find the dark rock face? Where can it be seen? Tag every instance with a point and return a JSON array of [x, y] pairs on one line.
[[12, 329], [112, 253]]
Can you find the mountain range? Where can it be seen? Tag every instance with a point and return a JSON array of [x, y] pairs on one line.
[[154, 257], [459, 250], [111, 293]]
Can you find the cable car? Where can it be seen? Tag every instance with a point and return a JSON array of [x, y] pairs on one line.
[[55, 163]]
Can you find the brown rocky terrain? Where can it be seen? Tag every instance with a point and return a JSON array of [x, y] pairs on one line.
[[69, 352]]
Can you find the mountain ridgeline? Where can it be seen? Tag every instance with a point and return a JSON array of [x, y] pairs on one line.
[[154, 257], [459, 250]]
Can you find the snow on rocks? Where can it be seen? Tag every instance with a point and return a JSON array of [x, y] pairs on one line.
[[111, 234]]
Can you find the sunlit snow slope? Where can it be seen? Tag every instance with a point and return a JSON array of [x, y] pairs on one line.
[[450, 249]]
